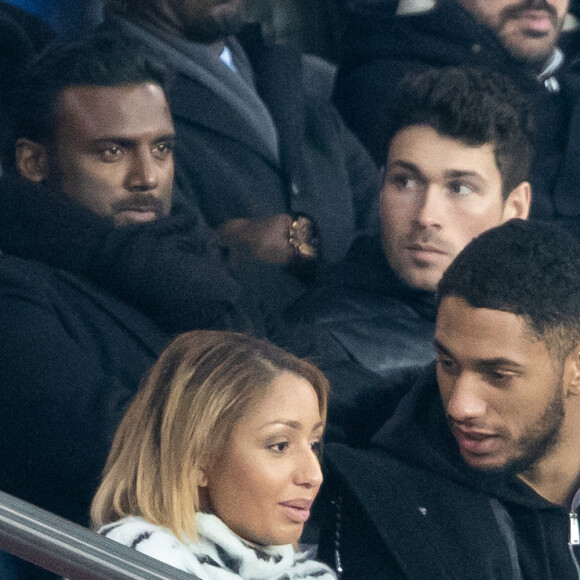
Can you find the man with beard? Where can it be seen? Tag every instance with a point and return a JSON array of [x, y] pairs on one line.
[[272, 167], [476, 475], [456, 166], [516, 37], [85, 162], [89, 190]]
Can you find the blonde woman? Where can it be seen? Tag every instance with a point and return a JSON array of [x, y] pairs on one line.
[[215, 465]]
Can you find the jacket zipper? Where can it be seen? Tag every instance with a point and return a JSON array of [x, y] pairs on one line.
[[574, 539]]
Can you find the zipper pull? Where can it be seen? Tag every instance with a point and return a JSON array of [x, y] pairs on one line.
[[574, 530]]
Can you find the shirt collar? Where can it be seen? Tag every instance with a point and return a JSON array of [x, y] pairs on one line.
[[227, 59]]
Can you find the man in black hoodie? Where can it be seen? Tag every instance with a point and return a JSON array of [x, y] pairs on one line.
[[516, 37], [476, 475]]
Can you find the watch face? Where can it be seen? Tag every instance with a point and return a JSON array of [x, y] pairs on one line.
[[304, 237]]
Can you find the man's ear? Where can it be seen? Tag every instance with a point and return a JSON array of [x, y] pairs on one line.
[[31, 160], [573, 370], [517, 204]]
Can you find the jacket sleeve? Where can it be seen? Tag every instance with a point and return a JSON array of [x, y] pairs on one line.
[[59, 407]]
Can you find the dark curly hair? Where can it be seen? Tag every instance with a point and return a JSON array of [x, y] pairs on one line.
[[530, 269], [476, 106]]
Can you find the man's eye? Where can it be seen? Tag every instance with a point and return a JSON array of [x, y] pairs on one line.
[[404, 182], [163, 150], [500, 377], [444, 363], [460, 188], [111, 154]]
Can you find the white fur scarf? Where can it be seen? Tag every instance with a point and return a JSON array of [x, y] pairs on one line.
[[218, 555]]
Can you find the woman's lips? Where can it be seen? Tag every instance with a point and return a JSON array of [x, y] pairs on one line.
[[297, 510]]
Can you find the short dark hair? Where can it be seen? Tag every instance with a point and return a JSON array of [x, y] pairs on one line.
[[103, 59], [476, 106], [528, 268]]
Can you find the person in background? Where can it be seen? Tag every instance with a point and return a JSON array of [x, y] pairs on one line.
[[456, 166], [272, 167], [518, 38], [215, 465]]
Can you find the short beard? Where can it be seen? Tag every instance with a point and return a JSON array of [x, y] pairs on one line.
[[539, 440], [537, 61]]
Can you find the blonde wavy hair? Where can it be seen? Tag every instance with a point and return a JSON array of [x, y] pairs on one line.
[[182, 418]]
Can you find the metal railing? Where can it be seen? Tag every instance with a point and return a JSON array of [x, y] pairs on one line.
[[65, 548]]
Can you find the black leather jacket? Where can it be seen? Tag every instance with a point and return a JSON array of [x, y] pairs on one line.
[[363, 326]]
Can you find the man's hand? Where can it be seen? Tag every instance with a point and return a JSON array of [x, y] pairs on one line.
[[266, 240]]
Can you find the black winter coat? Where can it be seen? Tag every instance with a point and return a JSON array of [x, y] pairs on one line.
[[73, 350], [85, 309], [172, 268], [322, 170], [72, 357]]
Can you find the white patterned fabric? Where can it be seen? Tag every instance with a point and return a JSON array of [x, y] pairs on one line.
[[219, 554]]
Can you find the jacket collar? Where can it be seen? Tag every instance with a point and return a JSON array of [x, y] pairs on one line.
[[245, 115], [366, 268]]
